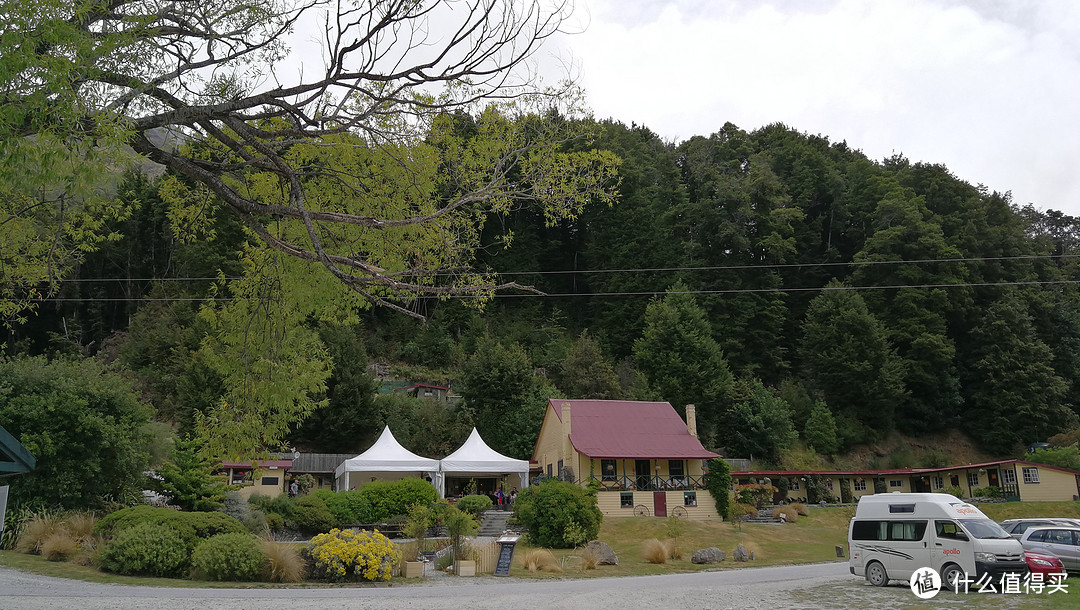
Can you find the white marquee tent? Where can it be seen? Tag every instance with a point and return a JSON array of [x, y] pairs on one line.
[[386, 460], [476, 459]]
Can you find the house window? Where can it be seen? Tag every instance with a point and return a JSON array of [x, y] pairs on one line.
[[560, 471], [549, 471], [607, 470], [973, 479], [898, 483], [1031, 475], [626, 500], [1009, 476], [269, 480], [675, 468], [937, 482], [794, 485], [859, 484], [689, 498]]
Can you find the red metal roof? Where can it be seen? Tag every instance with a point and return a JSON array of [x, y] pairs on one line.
[[895, 471], [616, 429]]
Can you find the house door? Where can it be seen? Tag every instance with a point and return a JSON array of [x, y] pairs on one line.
[[992, 479], [642, 471], [659, 500]]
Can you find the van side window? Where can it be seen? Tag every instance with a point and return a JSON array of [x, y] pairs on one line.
[[947, 529], [908, 531]]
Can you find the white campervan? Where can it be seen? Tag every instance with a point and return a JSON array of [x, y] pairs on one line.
[[895, 534]]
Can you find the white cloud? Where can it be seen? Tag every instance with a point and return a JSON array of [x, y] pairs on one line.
[[987, 89]]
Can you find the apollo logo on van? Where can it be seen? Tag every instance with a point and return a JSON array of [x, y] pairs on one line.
[[951, 552], [968, 511]]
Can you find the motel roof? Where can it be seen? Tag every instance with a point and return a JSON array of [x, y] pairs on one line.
[[623, 429]]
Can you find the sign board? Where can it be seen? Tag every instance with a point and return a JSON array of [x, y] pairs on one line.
[[506, 553]]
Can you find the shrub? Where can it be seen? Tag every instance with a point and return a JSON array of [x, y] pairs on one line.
[[283, 561], [146, 548], [558, 514], [345, 555], [655, 551], [228, 557], [474, 505], [348, 507], [59, 547], [956, 491], [312, 515], [717, 481], [540, 560], [756, 494], [800, 509], [282, 504], [458, 524], [389, 498], [986, 492], [275, 522], [191, 527]]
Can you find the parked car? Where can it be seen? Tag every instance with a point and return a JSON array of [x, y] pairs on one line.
[[1017, 527], [1058, 540], [1044, 564]]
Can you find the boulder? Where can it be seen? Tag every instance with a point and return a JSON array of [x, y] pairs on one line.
[[603, 552], [709, 555], [740, 554]]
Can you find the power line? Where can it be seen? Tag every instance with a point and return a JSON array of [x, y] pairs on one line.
[[608, 294], [1032, 257]]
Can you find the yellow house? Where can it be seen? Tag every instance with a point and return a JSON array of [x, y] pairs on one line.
[[264, 477], [1016, 480], [646, 460]]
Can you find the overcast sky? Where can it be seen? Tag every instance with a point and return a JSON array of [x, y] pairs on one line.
[[990, 89]]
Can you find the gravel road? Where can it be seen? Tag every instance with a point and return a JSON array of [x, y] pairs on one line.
[[809, 587]]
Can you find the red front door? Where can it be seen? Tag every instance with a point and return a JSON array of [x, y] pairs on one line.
[[659, 499]]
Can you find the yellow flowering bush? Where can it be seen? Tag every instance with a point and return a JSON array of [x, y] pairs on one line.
[[346, 555]]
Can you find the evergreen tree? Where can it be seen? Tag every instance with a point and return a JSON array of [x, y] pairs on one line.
[[682, 361], [1013, 395], [848, 359], [759, 424], [820, 431], [585, 373], [188, 480]]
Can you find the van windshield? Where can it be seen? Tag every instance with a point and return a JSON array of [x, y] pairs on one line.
[[984, 528]]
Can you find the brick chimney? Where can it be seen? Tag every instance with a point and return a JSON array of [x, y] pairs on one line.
[[691, 420]]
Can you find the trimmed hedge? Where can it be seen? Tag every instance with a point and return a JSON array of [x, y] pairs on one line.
[[388, 498], [474, 504], [191, 527], [234, 557], [348, 507]]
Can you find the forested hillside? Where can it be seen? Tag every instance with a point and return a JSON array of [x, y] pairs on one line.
[[787, 285]]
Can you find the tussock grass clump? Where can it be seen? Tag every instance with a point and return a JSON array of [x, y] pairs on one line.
[[80, 525], [89, 548], [800, 508], [36, 531], [791, 515], [589, 559], [59, 546], [674, 552], [655, 551], [540, 560]]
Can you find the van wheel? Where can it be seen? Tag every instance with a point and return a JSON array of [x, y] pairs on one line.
[[951, 575], [876, 574]]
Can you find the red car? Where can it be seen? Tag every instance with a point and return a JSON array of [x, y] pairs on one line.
[[1044, 564]]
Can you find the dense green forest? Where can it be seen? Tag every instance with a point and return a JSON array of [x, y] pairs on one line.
[[788, 286]]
